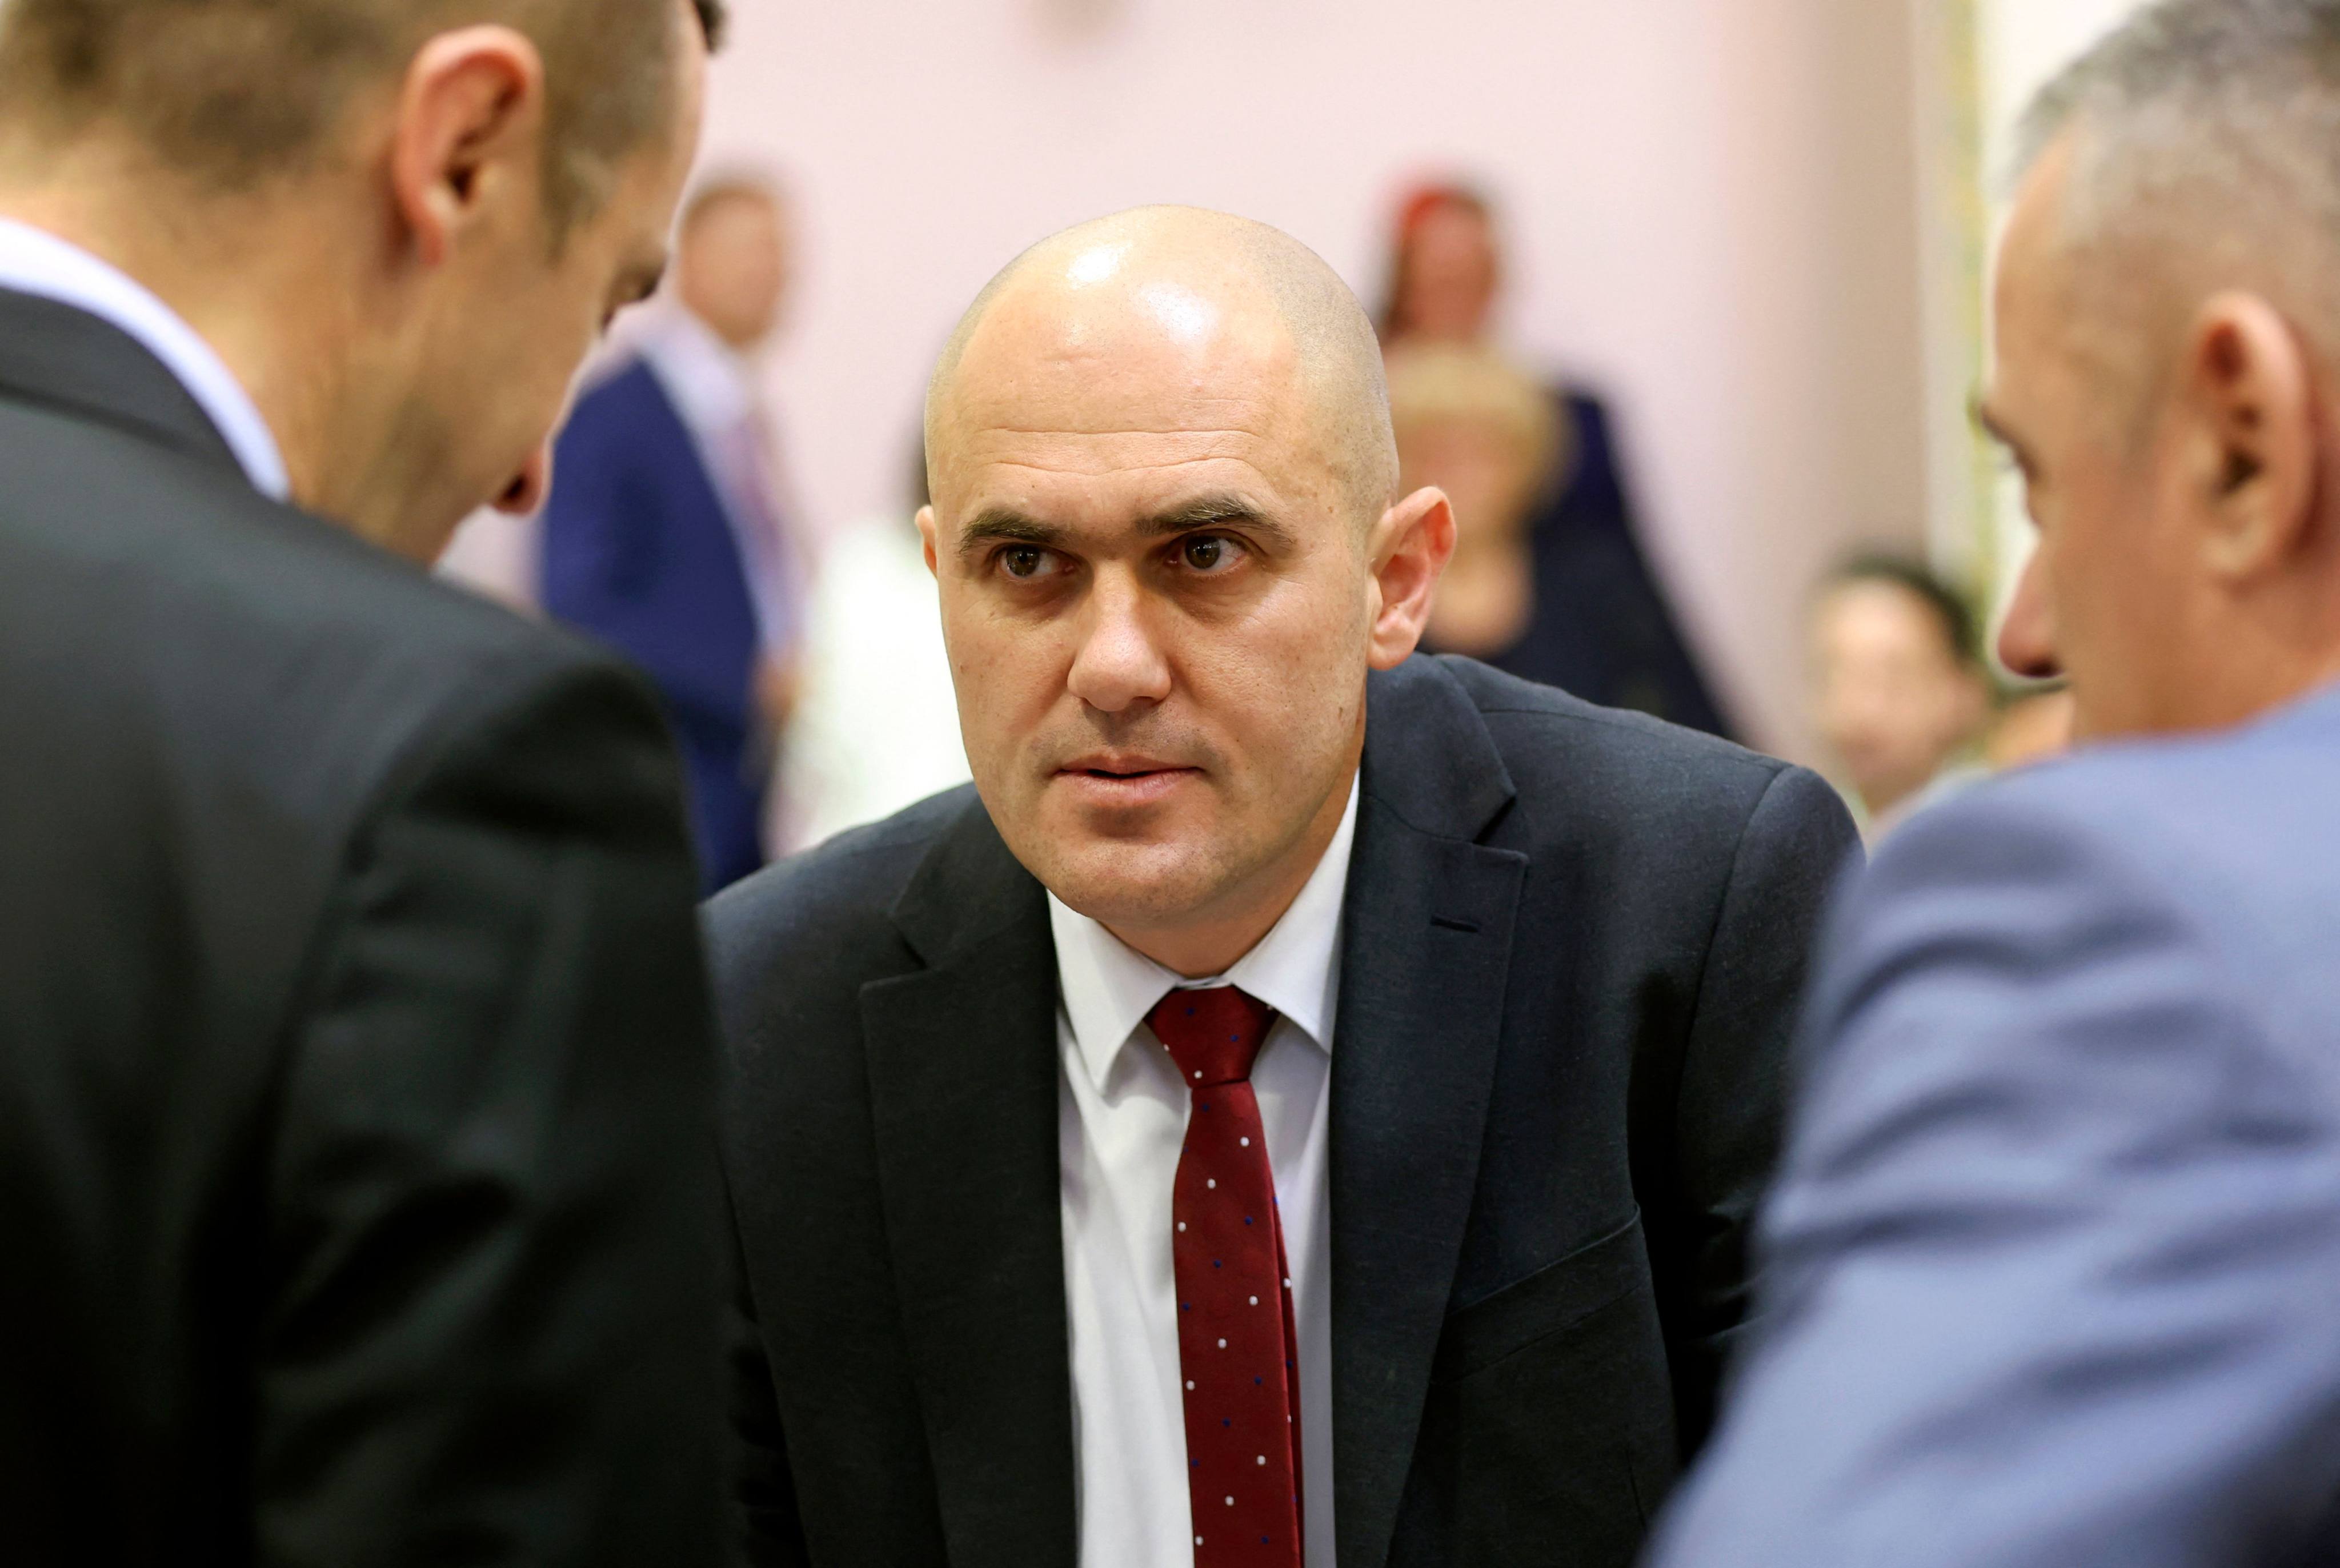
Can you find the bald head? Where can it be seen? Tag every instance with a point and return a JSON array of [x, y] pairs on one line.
[[1186, 294], [1169, 551]]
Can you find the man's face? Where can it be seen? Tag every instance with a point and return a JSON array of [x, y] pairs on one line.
[[2105, 599], [1893, 700], [1155, 591], [732, 269], [1451, 276], [515, 318]]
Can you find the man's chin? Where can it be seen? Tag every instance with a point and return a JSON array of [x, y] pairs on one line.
[[1124, 882]]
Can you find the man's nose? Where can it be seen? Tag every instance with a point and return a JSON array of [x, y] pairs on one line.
[[2027, 637], [524, 496], [1119, 663]]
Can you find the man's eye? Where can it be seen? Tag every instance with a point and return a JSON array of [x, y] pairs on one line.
[[1024, 559], [1207, 552]]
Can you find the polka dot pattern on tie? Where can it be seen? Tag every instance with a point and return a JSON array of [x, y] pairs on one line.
[[1241, 1391]]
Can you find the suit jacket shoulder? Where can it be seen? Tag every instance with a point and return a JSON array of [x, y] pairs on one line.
[[345, 652], [1624, 782], [2226, 838], [2061, 1175], [809, 932]]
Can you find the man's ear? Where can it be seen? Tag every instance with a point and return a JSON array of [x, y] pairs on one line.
[[1410, 547], [2250, 391], [926, 532], [469, 133]]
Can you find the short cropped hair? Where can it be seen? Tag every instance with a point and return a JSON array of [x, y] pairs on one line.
[[1961, 633], [2205, 143], [233, 93], [2209, 71]]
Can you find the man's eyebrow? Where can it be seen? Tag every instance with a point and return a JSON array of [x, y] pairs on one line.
[[1216, 511], [1001, 525], [1005, 525]]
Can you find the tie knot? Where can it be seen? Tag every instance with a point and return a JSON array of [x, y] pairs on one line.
[[1214, 1035]]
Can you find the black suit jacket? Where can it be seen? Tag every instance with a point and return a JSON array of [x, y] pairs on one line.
[[1571, 949], [355, 1062]]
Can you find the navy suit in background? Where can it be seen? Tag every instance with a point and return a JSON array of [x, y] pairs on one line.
[[640, 551], [2055, 1262]]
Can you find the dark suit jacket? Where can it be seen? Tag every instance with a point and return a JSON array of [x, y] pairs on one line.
[[1570, 955], [640, 551], [355, 1063]]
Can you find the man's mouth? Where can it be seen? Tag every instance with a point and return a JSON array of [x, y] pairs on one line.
[[1125, 777], [1121, 765]]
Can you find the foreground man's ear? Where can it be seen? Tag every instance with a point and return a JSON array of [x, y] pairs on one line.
[[1410, 548], [470, 125], [2247, 389]]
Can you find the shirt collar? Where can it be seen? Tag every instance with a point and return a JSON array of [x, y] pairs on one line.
[[1108, 987], [711, 384], [36, 261]]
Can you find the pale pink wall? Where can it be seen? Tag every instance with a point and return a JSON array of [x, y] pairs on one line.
[[1711, 206]]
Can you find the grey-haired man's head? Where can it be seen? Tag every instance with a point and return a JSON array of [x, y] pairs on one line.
[[2167, 309]]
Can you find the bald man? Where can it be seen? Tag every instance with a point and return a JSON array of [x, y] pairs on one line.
[[1303, 1103]]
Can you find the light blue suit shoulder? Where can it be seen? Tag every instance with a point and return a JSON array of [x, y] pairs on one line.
[[2051, 1261]]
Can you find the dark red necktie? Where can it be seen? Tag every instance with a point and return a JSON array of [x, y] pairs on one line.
[[1238, 1348]]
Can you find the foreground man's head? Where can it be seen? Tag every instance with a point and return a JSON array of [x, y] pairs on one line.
[[2168, 319], [1169, 545], [400, 222]]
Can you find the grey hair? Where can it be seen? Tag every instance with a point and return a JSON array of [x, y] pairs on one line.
[[2232, 99], [2218, 58], [2204, 138]]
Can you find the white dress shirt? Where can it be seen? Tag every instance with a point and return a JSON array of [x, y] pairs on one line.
[[1122, 1121], [36, 261]]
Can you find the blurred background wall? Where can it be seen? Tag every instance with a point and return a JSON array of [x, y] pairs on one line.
[[1761, 228], [1712, 207]]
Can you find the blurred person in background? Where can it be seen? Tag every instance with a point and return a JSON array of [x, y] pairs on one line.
[[877, 727], [2052, 1264], [666, 536], [1469, 424], [1901, 694], [355, 1057], [1603, 629]]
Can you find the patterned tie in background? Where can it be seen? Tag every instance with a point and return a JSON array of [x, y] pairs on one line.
[[1237, 1349]]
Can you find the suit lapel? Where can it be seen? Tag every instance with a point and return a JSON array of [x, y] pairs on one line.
[[963, 1071], [1425, 951]]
